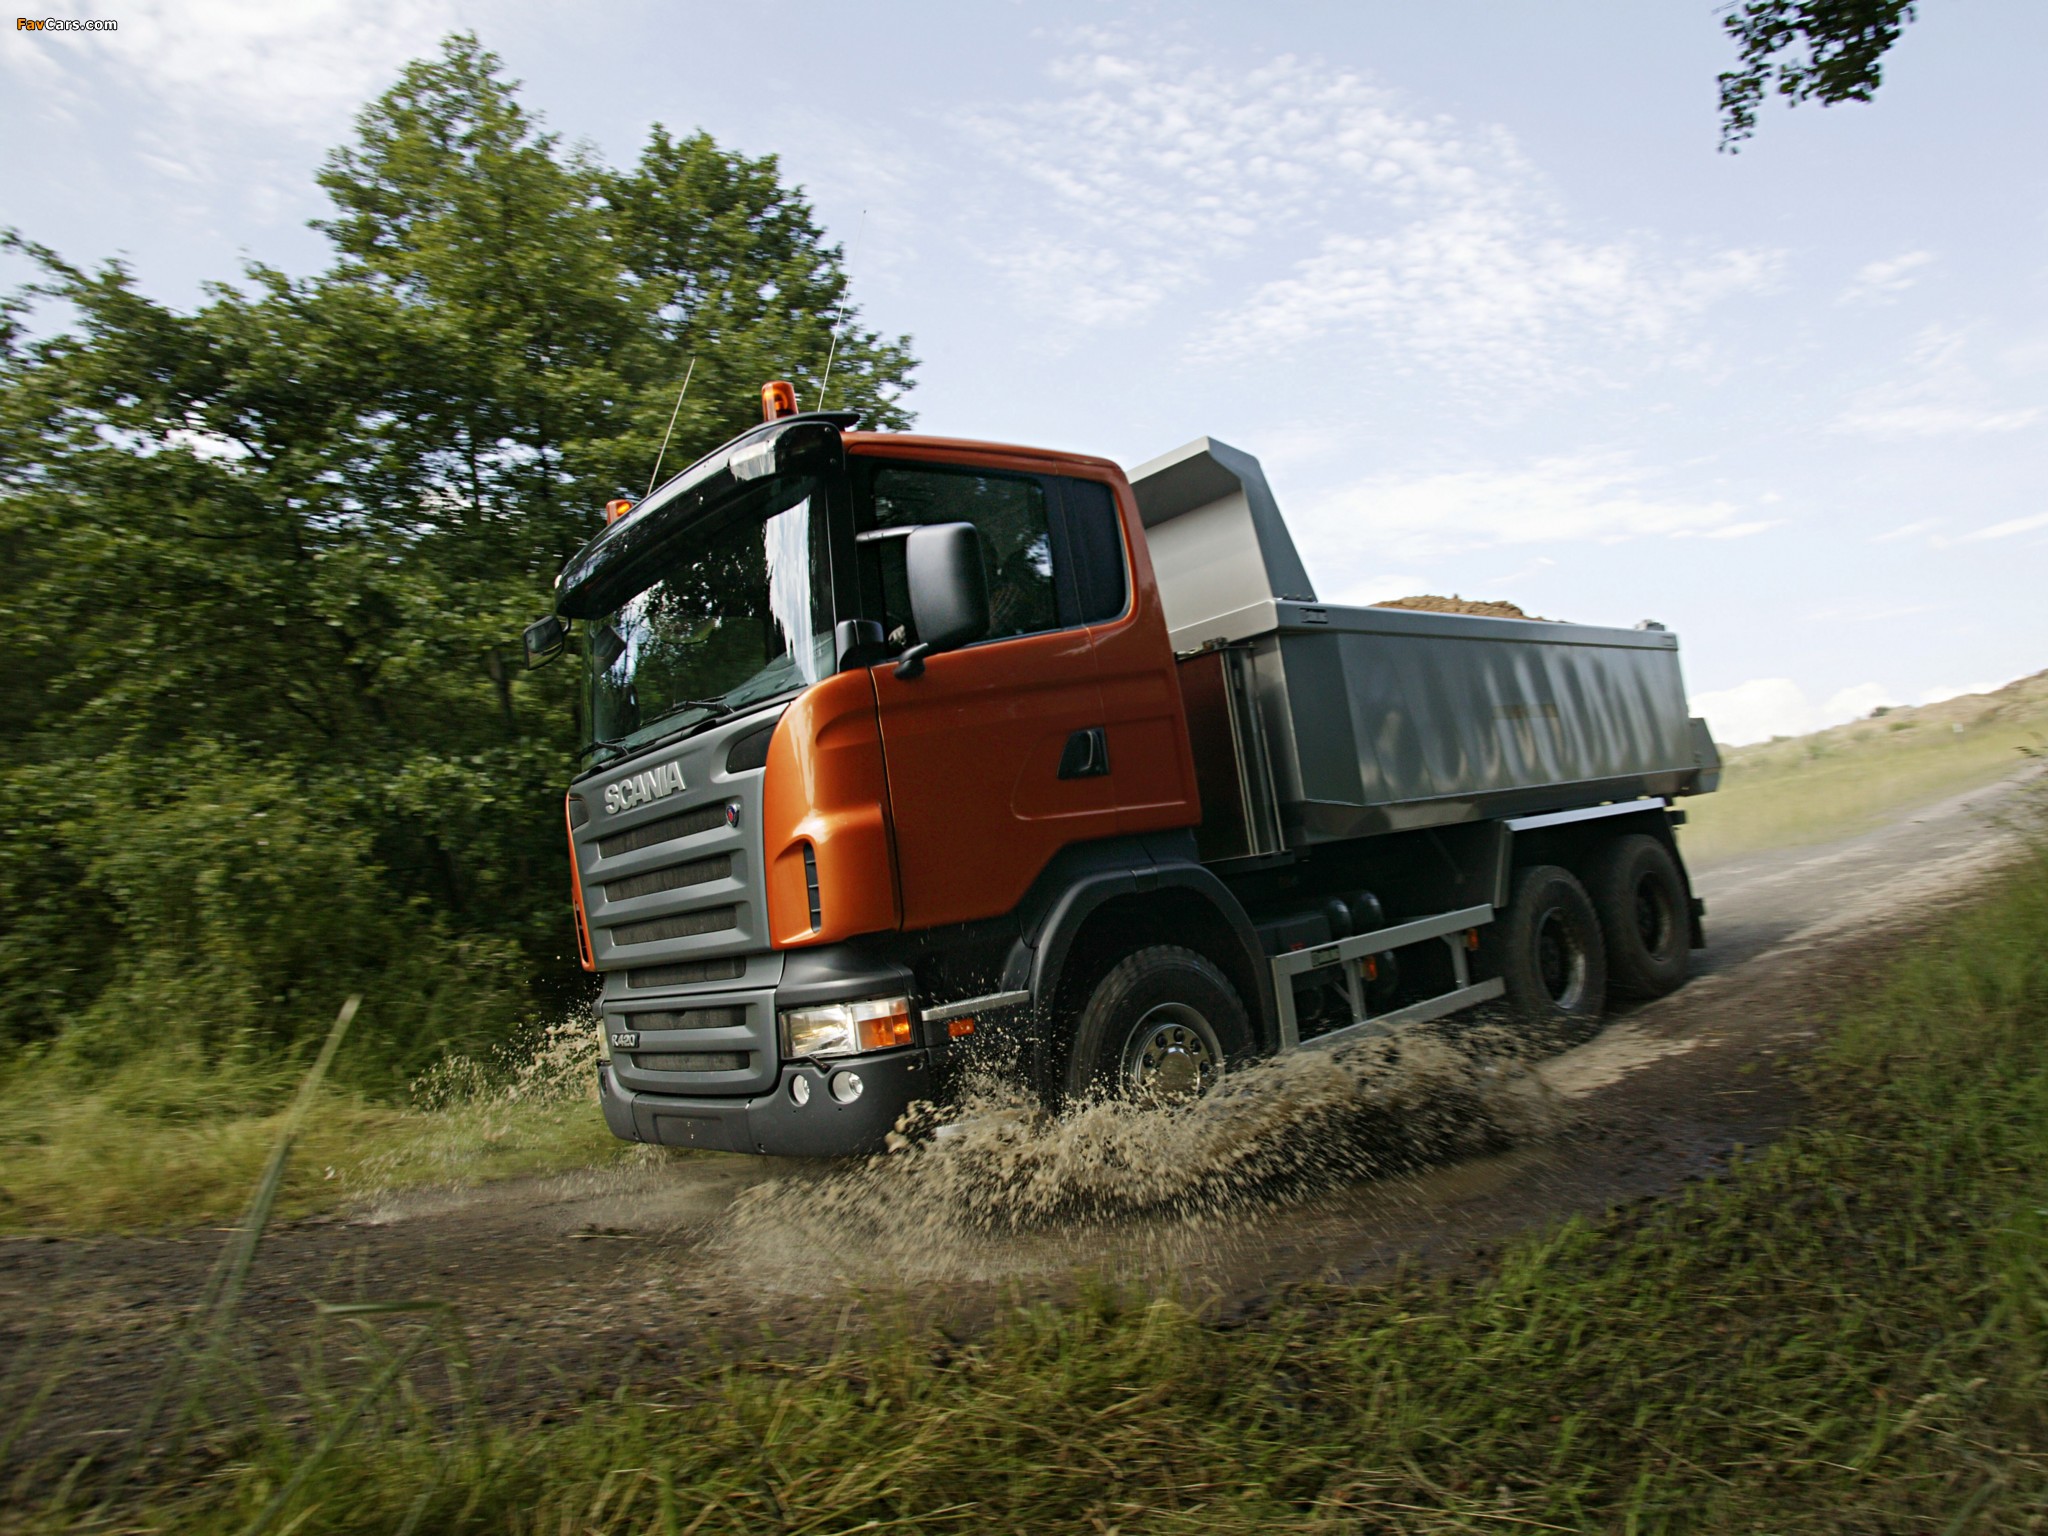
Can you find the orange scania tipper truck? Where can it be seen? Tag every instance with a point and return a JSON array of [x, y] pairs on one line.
[[903, 749]]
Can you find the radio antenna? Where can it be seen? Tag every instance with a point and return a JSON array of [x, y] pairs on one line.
[[672, 415], [833, 350]]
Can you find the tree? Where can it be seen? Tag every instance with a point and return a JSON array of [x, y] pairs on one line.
[[264, 739], [1836, 49]]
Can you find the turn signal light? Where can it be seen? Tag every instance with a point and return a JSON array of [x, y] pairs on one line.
[[585, 955], [885, 1031], [778, 399], [959, 1028], [616, 509]]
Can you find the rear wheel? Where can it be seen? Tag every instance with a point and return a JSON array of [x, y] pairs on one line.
[[1639, 896], [1552, 957], [1163, 1024]]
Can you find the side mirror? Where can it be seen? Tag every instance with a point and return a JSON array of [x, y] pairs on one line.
[[948, 584], [544, 639]]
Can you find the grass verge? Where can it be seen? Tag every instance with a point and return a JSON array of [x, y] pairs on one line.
[[1848, 1332], [167, 1140], [1850, 778]]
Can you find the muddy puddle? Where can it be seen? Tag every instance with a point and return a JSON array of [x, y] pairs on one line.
[[1307, 1165]]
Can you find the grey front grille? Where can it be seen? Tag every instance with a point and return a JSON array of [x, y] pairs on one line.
[[686, 973], [683, 925], [673, 889], [692, 1018], [666, 830], [674, 878], [693, 1061]]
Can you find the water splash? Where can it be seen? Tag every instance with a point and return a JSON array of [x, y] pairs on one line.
[[1004, 1187]]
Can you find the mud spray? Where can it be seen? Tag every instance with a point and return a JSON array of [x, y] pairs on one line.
[[1002, 1189]]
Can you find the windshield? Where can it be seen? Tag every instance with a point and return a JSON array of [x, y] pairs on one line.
[[736, 615]]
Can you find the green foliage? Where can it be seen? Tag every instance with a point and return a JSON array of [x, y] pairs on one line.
[[265, 737], [1840, 47]]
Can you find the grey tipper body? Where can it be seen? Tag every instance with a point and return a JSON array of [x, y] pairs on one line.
[[1373, 720]]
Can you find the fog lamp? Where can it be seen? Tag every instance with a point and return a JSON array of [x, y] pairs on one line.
[[842, 1029], [846, 1086]]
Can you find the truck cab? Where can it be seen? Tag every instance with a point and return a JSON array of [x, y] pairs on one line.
[[807, 826]]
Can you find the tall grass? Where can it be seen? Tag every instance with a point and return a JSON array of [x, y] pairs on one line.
[[171, 1138], [1848, 1332]]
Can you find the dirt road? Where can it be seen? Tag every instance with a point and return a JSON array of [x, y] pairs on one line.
[[569, 1284]]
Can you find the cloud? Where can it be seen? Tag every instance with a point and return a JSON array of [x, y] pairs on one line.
[[239, 88], [1777, 706], [1943, 695], [1484, 288], [1167, 176], [1602, 498], [1940, 396], [2007, 529], [1881, 282]]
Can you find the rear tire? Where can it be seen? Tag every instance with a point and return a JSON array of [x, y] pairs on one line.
[[1163, 1024], [1552, 956], [1640, 898]]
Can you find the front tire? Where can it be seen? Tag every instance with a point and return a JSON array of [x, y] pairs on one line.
[[1164, 1024], [1553, 957]]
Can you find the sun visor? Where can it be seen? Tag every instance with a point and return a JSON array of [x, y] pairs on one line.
[[601, 574], [1221, 553]]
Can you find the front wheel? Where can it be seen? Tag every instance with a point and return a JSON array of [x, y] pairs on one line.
[[1162, 1025], [1552, 957]]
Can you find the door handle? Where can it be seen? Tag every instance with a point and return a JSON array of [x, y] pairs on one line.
[[1086, 755]]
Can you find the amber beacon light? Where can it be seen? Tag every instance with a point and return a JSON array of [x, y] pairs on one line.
[[778, 399]]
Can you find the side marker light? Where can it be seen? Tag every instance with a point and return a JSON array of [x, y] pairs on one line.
[[616, 509], [959, 1028]]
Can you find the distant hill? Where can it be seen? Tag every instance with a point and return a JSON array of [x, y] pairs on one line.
[[1849, 778], [2024, 699]]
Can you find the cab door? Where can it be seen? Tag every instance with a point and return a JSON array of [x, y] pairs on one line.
[[990, 771]]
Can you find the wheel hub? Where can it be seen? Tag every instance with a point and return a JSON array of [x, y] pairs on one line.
[[1653, 919], [1170, 1055], [1560, 962]]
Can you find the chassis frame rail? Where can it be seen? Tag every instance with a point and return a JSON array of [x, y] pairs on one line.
[[1452, 927]]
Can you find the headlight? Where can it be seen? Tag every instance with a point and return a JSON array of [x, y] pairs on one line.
[[841, 1029]]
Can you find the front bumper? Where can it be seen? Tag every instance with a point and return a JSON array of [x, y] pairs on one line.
[[773, 1122]]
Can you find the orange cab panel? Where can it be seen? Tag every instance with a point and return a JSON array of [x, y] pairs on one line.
[[825, 829], [974, 747]]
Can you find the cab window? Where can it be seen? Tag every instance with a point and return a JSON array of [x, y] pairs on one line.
[[1052, 546], [1016, 542]]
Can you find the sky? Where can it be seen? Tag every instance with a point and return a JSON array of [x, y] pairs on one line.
[[1470, 279]]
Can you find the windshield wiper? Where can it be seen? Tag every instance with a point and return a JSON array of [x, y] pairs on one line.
[[717, 709]]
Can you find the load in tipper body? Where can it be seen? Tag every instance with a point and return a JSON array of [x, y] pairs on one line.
[[908, 749]]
